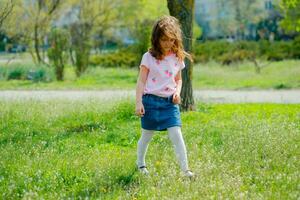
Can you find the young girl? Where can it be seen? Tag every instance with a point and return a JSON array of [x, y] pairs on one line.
[[158, 90]]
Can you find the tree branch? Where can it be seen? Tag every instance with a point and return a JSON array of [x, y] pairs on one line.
[[5, 12]]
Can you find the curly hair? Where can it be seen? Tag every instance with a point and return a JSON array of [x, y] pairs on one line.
[[168, 26]]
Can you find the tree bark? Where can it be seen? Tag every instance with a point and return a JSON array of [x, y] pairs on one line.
[[183, 10], [37, 44]]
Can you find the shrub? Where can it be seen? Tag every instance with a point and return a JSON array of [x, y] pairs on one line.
[[228, 53], [279, 51], [115, 59], [2, 46], [3, 73], [203, 52], [263, 47], [26, 72], [236, 56], [37, 75], [17, 73], [296, 48]]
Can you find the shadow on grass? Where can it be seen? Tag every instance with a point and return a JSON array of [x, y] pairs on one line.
[[88, 127], [282, 86], [112, 183], [19, 137]]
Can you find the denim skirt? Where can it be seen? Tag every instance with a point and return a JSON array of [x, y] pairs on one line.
[[160, 113]]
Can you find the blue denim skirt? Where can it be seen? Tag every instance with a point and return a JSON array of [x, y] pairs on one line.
[[160, 113]]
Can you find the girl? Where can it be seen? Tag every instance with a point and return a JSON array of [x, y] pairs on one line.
[[158, 90]]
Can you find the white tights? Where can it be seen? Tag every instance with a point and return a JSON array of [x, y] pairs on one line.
[[178, 143]]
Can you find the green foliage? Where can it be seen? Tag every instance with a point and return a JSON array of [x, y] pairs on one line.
[[140, 27], [296, 48], [236, 57], [16, 73], [228, 53], [275, 51], [142, 36], [279, 51], [239, 52], [290, 9], [197, 30], [3, 73], [81, 45], [122, 58], [37, 75], [2, 46], [26, 72], [204, 52]]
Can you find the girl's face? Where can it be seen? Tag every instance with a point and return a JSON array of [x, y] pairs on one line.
[[166, 44]]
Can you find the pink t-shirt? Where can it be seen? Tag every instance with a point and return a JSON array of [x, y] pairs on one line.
[[161, 77]]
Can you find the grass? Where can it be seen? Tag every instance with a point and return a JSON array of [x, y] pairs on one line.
[[277, 75], [26, 56], [87, 149]]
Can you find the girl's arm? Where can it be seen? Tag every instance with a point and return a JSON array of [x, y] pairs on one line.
[[139, 108], [176, 96]]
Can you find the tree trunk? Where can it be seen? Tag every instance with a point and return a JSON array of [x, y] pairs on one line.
[[36, 44], [183, 10], [81, 33]]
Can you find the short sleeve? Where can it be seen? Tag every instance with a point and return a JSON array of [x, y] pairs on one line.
[[145, 60], [181, 64]]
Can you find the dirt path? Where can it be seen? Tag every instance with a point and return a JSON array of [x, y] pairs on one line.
[[214, 96]]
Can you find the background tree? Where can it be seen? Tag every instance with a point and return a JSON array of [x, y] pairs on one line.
[[139, 28], [183, 10], [246, 13], [290, 10], [92, 17], [5, 10], [58, 51], [37, 18]]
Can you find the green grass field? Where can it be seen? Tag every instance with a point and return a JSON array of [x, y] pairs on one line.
[[277, 75], [87, 149]]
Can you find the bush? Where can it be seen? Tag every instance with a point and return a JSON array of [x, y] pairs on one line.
[[203, 52], [263, 47], [236, 56], [228, 53], [3, 73], [296, 48], [249, 46], [38, 75], [17, 73], [115, 59], [2, 46], [25, 72], [279, 51]]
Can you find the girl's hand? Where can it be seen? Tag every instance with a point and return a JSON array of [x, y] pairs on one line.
[[139, 109], [176, 98]]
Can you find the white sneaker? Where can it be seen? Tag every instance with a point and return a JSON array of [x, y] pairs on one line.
[[143, 170], [189, 174]]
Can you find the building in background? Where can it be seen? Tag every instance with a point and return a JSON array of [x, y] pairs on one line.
[[235, 19]]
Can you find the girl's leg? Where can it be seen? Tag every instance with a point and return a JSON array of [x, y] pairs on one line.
[[179, 147], [143, 146]]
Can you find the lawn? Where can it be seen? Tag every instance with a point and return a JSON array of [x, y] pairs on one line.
[[276, 75], [87, 149]]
